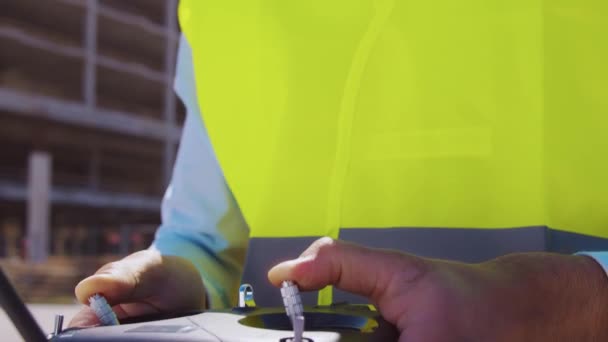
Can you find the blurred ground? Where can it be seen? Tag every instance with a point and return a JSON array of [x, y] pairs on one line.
[[53, 281], [44, 315]]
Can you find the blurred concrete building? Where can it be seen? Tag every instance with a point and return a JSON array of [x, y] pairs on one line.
[[89, 124]]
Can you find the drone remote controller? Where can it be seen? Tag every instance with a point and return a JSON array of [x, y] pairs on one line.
[[293, 323]]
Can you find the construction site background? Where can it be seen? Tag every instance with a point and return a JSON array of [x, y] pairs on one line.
[[89, 128]]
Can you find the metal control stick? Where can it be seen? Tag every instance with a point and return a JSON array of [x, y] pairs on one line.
[[103, 310], [293, 308], [58, 327], [246, 296]]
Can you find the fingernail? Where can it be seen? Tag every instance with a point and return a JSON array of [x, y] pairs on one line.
[[285, 270], [284, 266], [282, 271]]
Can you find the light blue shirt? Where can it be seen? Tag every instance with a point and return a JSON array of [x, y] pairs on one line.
[[201, 220]]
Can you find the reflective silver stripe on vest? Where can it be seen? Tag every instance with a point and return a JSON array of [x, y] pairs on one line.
[[469, 245]]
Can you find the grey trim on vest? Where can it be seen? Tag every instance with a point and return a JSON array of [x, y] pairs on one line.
[[566, 242], [468, 245]]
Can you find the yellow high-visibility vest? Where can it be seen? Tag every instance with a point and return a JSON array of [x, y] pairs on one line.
[[387, 113]]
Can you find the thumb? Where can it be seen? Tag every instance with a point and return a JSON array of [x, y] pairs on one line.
[[120, 281], [144, 283], [353, 268]]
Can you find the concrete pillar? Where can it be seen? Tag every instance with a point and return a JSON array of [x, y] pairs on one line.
[[38, 206], [94, 165], [11, 238], [92, 239], [62, 234], [169, 97], [125, 234], [137, 240], [79, 240], [89, 78], [112, 238]]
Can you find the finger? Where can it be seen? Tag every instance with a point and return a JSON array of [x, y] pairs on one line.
[[84, 318], [364, 271], [87, 317], [155, 283], [120, 281], [134, 310]]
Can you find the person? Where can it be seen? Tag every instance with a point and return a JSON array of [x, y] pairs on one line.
[[321, 116]]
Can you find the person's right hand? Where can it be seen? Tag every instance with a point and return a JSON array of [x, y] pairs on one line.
[[515, 297], [142, 283]]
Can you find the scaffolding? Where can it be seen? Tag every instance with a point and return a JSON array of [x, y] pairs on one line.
[[89, 123]]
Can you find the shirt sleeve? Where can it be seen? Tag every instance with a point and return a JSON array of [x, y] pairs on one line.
[[600, 257], [201, 220]]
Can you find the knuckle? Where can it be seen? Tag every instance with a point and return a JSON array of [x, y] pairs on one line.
[[326, 246], [107, 268], [326, 242]]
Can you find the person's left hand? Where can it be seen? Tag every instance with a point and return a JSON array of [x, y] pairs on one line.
[[143, 283], [519, 297]]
